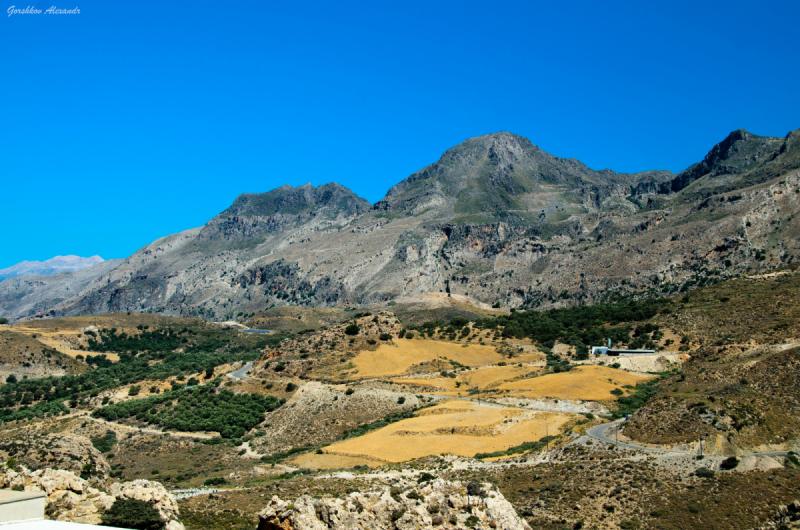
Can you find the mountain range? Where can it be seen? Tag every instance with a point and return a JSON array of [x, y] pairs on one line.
[[495, 220], [50, 266]]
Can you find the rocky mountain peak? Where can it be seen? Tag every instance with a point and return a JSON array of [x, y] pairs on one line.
[[490, 173], [252, 214], [738, 153], [289, 200]]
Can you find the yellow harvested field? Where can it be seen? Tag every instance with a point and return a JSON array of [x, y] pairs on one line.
[[488, 376], [395, 359], [583, 382], [482, 377], [57, 341], [458, 427], [326, 461], [434, 384]]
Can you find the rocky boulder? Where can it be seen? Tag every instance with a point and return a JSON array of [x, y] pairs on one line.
[[73, 499], [405, 505], [148, 491]]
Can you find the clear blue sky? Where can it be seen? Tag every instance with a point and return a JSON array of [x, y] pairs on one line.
[[134, 120]]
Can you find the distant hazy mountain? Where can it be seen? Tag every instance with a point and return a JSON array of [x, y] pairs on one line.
[[51, 266]]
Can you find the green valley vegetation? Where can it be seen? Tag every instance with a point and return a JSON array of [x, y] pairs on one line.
[[201, 408], [48, 396], [584, 326], [107, 340]]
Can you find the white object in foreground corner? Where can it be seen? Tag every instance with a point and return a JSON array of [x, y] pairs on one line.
[[24, 510]]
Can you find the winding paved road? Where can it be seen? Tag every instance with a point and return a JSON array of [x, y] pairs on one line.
[[239, 374], [598, 432]]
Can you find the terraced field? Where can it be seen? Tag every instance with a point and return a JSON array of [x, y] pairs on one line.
[[396, 359], [459, 427], [593, 383], [482, 378]]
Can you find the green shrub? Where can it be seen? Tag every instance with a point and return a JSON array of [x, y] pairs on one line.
[[352, 329], [425, 477], [704, 472], [401, 400], [106, 442], [291, 387], [729, 463], [133, 513], [349, 392], [384, 336], [458, 322], [3, 321], [215, 481]]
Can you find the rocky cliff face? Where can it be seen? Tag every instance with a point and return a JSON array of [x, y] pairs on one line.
[[496, 219]]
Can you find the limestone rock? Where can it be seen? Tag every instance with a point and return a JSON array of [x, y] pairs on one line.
[[405, 506], [69, 497], [148, 491], [73, 499]]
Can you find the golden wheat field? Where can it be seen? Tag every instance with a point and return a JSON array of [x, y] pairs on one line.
[[458, 427], [396, 358], [593, 383], [483, 378]]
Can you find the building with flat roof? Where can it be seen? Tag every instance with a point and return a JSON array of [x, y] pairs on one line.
[[616, 352]]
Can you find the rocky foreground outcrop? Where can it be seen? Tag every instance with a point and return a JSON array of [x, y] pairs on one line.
[[787, 516], [405, 506], [71, 498]]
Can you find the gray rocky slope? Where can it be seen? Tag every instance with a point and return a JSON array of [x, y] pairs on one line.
[[496, 218]]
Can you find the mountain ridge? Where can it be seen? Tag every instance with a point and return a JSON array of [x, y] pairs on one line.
[[54, 265], [495, 219]]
